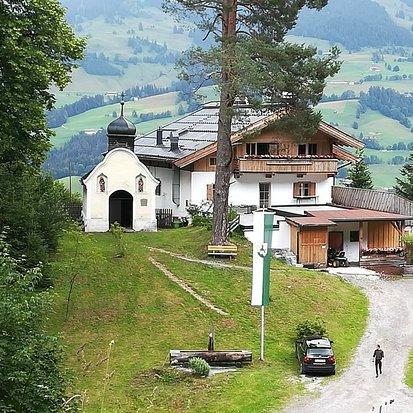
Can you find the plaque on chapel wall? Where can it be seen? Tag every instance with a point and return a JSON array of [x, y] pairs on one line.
[[144, 202]]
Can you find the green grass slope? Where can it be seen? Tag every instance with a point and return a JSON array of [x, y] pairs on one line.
[[130, 301], [100, 117], [74, 184]]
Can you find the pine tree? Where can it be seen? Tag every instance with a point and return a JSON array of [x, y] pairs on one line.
[[249, 58], [404, 185], [359, 173]]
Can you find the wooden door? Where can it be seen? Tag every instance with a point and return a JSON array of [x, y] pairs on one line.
[[335, 240], [313, 246]]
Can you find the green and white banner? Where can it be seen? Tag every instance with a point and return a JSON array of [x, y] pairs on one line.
[[263, 227]]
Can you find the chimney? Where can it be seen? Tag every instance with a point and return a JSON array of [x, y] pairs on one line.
[[159, 137], [174, 142]]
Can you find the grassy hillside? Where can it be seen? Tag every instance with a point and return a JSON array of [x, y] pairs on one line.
[[130, 301], [75, 184], [100, 117]]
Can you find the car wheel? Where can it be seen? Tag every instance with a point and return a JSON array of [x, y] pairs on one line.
[[335, 264], [302, 368], [333, 372]]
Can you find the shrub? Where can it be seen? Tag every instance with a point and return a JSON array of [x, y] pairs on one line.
[[408, 242], [199, 366], [117, 231], [311, 328]]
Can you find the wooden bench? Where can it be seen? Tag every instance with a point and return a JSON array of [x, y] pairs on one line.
[[223, 250]]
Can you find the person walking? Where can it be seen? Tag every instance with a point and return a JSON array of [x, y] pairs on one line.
[[378, 356]]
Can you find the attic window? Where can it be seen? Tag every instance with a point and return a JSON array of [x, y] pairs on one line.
[[212, 161]]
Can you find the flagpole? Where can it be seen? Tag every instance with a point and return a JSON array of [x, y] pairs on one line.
[[262, 332]]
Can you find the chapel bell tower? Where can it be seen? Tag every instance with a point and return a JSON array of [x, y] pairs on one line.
[[121, 132]]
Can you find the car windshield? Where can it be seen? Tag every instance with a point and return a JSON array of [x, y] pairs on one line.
[[319, 351]]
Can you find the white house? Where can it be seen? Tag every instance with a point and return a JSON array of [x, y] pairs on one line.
[[270, 169]]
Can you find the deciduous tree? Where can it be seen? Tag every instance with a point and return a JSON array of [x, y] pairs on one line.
[[30, 377], [250, 59], [38, 50]]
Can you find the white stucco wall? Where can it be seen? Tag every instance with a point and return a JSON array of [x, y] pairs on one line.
[[245, 189], [351, 248], [165, 201], [121, 170]]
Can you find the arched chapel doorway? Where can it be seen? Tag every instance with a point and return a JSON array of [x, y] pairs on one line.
[[121, 209]]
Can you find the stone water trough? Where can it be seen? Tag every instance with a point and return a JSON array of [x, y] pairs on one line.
[[212, 357]]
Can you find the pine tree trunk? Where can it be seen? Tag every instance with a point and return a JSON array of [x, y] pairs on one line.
[[224, 147]]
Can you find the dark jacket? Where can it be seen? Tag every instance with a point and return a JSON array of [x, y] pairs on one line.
[[378, 354]]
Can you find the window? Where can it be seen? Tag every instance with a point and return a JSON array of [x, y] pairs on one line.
[[258, 148], [251, 148], [158, 188], [354, 236], [304, 190], [210, 192], [263, 148], [302, 150], [312, 149], [265, 188], [212, 161]]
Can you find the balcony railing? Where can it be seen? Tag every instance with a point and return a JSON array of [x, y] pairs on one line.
[[268, 164]]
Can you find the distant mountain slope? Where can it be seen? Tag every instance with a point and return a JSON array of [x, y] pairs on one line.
[[353, 23]]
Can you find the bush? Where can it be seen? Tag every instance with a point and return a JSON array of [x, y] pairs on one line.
[[31, 378], [117, 231], [408, 242], [35, 210], [199, 366], [311, 328]]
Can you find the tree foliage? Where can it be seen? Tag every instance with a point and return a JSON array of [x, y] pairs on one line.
[[38, 49], [359, 174], [250, 59], [404, 184], [34, 208], [30, 379]]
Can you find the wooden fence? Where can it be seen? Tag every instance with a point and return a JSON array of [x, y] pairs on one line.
[[164, 218], [372, 199]]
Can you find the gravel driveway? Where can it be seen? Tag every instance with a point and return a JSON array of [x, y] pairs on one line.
[[358, 390]]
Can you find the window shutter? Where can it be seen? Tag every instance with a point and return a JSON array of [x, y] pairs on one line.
[[296, 189], [210, 192], [312, 188]]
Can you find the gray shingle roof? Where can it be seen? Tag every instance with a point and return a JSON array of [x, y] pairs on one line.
[[195, 130]]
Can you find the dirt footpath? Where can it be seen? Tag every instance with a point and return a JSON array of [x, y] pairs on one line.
[[390, 325]]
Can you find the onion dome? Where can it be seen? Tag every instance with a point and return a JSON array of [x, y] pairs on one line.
[[121, 126]]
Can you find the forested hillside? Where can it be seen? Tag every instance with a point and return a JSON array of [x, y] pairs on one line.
[[353, 23], [133, 46]]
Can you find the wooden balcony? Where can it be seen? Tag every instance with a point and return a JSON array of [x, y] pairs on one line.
[[288, 165]]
